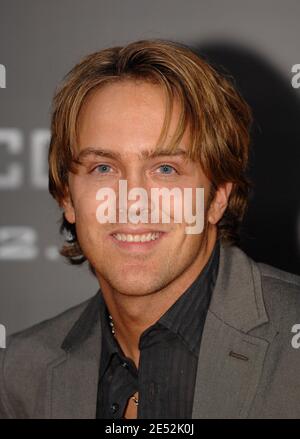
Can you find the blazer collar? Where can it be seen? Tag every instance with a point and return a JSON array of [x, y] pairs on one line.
[[237, 299], [85, 325], [72, 378]]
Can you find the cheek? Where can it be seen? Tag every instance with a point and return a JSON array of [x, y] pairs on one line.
[[189, 210], [85, 205], [180, 242], [89, 231]]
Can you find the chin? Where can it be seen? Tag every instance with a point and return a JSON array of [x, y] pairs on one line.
[[135, 286]]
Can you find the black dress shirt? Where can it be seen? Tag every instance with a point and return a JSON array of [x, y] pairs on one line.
[[168, 360]]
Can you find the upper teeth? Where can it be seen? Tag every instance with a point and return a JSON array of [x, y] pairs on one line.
[[136, 238]]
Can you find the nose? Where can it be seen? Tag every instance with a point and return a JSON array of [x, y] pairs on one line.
[[135, 179], [134, 196]]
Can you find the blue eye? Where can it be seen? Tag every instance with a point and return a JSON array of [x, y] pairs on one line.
[[167, 169], [103, 169]]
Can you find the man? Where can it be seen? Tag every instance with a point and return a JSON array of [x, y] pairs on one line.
[[184, 325]]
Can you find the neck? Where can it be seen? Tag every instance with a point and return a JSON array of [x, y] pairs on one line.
[[132, 315]]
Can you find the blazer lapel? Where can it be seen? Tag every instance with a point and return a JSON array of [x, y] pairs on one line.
[[229, 368], [230, 360], [73, 377]]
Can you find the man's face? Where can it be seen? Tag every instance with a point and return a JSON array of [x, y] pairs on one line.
[[123, 121]]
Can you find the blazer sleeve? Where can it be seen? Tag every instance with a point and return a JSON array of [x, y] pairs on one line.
[[6, 411]]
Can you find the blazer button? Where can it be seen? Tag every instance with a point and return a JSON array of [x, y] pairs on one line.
[[114, 407]]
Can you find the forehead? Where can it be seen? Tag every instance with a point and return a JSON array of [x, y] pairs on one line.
[[127, 117]]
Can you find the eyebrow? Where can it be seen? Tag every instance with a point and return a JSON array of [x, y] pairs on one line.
[[146, 154]]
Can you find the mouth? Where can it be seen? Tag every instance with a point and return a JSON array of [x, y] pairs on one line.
[[138, 241]]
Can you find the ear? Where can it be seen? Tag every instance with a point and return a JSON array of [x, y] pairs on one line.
[[67, 205], [219, 203]]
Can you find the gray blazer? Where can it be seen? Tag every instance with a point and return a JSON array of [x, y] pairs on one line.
[[247, 365]]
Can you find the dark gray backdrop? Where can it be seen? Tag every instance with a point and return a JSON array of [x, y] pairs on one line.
[[257, 42]]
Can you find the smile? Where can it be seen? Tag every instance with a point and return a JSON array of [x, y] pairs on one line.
[[145, 237], [137, 241]]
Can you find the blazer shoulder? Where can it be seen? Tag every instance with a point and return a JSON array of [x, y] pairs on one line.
[[27, 354], [44, 338], [281, 293], [284, 277]]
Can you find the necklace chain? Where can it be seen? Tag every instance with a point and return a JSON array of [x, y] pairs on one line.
[[112, 326]]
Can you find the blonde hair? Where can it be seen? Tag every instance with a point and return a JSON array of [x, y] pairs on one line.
[[218, 117]]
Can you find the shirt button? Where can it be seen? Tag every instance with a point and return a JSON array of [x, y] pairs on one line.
[[114, 407]]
